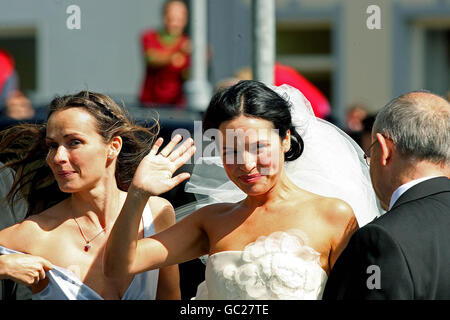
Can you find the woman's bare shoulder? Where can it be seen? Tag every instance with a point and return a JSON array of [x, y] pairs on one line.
[[50, 217], [159, 205], [338, 213], [216, 210], [212, 212], [23, 236], [162, 211]]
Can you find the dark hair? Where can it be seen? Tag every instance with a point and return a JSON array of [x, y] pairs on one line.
[[23, 148], [254, 99]]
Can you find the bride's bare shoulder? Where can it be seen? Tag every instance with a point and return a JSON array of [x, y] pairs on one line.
[[338, 213], [333, 211], [212, 213], [218, 208]]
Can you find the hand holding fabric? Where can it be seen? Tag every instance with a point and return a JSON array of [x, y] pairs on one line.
[[23, 268]]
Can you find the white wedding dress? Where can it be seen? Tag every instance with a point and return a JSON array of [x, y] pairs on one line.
[[278, 267]]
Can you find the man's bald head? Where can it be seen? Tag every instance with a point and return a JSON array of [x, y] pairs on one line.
[[418, 123], [428, 101]]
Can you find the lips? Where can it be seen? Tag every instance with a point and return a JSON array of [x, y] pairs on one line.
[[65, 174], [250, 178]]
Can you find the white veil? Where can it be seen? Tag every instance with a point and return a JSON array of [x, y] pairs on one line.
[[331, 165]]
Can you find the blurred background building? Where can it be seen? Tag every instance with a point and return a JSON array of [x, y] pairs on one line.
[[327, 41]]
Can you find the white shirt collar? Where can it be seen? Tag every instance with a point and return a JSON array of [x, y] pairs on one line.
[[404, 187]]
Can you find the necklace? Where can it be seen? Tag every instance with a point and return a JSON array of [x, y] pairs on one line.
[[88, 242]]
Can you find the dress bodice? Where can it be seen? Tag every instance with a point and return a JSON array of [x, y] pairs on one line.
[[280, 267]]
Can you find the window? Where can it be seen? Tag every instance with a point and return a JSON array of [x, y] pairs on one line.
[[307, 47], [21, 44]]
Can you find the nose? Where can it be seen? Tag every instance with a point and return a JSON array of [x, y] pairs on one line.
[[248, 160], [60, 155]]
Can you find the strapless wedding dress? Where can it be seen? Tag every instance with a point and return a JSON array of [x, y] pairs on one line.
[[278, 267]]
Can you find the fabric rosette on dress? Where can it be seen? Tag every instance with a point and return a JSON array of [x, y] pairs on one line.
[[280, 266]]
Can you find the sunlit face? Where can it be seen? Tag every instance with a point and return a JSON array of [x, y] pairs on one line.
[[77, 154], [252, 153], [175, 18]]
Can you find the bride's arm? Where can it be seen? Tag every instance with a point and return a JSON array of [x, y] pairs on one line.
[[124, 254], [343, 226]]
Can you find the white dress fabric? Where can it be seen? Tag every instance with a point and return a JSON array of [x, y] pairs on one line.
[[331, 165], [278, 267], [65, 285]]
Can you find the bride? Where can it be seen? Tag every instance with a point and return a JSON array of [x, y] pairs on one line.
[[282, 238]]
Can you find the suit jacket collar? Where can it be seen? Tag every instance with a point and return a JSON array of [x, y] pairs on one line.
[[424, 189]]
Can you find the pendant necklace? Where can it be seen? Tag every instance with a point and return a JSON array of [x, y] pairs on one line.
[[88, 242]]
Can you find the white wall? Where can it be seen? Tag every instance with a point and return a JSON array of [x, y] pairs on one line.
[[103, 55]]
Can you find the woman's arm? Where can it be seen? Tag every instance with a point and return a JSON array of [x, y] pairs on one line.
[[124, 254], [344, 225], [169, 277]]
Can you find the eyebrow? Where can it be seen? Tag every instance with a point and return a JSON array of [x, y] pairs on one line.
[[66, 136], [251, 144]]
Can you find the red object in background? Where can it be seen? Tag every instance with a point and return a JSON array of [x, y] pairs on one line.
[[6, 67], [288, 75], [163, 85]]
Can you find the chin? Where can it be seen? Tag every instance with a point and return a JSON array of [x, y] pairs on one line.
[[254, 190], [67, 188]]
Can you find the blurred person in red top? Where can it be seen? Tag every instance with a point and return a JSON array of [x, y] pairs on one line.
[[8, 77], [167, 56], [13, 103], [287, 75]]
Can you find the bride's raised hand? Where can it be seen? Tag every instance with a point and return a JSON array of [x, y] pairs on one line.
[[154, 174]]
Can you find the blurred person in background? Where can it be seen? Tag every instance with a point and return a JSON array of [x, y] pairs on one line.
[[355, 116], [366, 133], [13, 103], [284, 74], [167, 57]]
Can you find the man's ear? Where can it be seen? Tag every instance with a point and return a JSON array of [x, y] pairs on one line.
[[114, 147], [387, 148]]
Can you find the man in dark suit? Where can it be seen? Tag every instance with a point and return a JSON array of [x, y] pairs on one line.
[[404, 254]]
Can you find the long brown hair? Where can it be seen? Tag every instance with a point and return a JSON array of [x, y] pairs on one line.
[[23, 148]]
